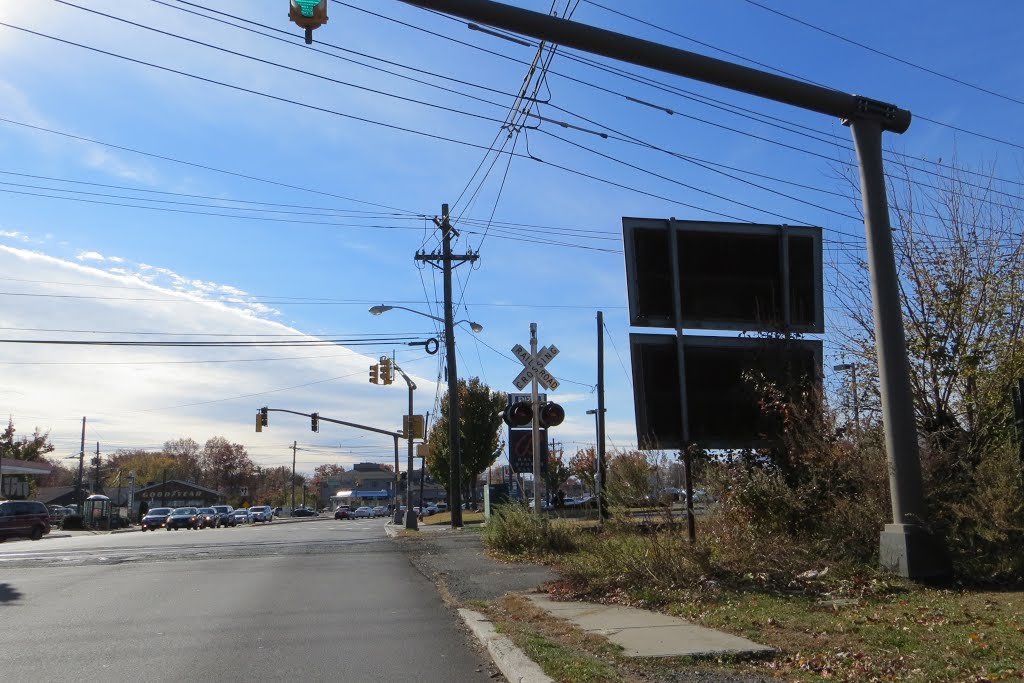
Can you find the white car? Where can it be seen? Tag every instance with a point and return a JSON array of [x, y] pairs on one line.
[[380, 511], [262, 513], [364, 512]]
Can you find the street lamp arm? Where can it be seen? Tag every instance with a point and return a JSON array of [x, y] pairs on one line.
[[378, 310]]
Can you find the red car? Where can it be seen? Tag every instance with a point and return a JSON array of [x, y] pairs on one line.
[[26, 518], [344, 512]]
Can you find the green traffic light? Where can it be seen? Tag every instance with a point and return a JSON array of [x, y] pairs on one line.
[[307, 6]]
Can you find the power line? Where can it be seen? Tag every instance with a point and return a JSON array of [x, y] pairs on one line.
[[887, 55]]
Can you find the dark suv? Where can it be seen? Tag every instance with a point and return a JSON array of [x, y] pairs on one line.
[[28, 518]]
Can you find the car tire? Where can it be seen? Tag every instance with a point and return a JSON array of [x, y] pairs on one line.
[[37, 533]]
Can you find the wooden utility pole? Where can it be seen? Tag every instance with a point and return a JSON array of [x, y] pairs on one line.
[[447, 258]]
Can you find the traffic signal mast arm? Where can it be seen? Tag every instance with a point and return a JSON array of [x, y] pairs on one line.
[[337, 422]]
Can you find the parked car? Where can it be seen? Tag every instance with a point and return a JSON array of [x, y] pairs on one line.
[[364, 511], [155, 518], [344, 512], [380, 510], [207, 518], [431, 509], [187, 518], [56, 514], [442, 507], [225, 516], [241, 516], [261, 513], [27, 518], [303, 512]]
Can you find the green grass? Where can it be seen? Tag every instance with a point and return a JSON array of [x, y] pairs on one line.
[[468, 517], [564, 653], [853, 624]]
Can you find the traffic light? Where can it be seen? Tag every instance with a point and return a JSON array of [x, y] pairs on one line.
[[518, 414], [314, 420], [551, 415], [387, 371], [261, 419], [308, 14], [374, 374]]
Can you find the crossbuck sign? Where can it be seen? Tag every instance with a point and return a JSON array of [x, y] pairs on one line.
[[534, 367]]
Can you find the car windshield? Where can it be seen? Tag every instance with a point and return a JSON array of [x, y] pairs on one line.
[[184, 511], [155, 512], [207, 511]]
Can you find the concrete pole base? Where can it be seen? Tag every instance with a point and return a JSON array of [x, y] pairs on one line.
[[410, 521], [909, 551]]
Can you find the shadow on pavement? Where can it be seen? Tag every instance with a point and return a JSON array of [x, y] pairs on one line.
[[9, 593]]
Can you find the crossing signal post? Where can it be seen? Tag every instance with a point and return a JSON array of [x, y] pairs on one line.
[[308, 14]]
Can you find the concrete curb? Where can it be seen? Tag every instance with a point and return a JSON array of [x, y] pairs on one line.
[[513, 662]]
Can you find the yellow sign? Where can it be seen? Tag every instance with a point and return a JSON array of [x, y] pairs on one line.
[[417, 427]]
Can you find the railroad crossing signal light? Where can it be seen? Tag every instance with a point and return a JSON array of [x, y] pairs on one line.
[[314, 420], [374, 374], [308, 14], [518, 414], [387, 371], [551, 415]]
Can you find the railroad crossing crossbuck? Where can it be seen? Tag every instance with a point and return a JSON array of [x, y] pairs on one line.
[[534, 367]]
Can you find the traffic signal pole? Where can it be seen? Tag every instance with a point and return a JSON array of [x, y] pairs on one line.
[[410, 516], [906, 547]]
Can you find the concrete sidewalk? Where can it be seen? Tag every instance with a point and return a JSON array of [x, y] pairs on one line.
[[458, 562], [642, 633]]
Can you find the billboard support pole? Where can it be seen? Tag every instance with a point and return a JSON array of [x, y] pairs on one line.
[[684, 419]]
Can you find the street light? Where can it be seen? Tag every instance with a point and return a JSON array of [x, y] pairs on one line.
[[455, 446], [377, 310]]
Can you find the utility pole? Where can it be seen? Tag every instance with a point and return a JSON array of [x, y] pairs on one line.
[[852, 367], [295, 447], [455, 444], [423, 460], [96, 474], [81, 471], [602, 469]]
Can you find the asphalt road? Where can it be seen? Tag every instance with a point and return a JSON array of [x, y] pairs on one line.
[[317, 600]]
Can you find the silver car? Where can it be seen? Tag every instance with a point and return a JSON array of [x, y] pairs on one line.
[[262, 513], [242, 516]]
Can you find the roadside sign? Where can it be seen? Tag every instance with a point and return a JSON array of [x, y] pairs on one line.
[[534, 367], [520, 450]]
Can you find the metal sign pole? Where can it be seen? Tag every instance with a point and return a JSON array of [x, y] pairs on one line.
[[535, 403]]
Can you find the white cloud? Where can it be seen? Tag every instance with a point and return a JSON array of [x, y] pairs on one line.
[[90, 256], [143, 396]]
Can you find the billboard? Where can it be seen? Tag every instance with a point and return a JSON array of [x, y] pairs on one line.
[[723, 405], [731, 276]]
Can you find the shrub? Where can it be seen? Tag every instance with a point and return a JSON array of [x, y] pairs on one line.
[[72, 522], [514, 529]]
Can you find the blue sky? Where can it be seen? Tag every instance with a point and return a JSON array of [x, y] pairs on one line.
[[323, 189]]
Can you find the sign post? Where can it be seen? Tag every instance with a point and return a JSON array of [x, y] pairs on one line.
[[534, 373]]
